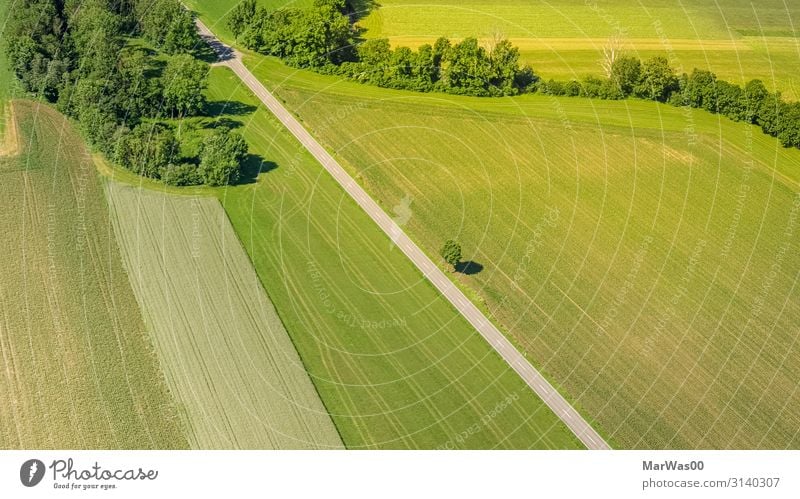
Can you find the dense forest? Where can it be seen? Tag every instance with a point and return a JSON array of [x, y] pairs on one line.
[[124, 69], [323, 39]]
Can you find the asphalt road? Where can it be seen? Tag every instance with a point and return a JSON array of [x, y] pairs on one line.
[[590, 438]]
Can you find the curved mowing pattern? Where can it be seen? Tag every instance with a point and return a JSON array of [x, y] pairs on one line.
[[223, 348]]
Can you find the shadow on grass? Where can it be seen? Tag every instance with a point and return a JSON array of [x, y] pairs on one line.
[[228, 108], [222, 123], [253, 166], [469, 267], [359, 9]]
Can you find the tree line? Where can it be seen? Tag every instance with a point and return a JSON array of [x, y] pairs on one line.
[[654, 79], [123, 69], [323, 39]]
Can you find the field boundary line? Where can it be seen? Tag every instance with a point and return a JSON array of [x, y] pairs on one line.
[[497, 340]]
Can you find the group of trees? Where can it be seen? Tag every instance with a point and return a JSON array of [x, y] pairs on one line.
[[322, 38], [79, 55], [655, 80]]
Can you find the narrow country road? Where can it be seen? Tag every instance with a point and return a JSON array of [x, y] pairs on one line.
[[590, 438]]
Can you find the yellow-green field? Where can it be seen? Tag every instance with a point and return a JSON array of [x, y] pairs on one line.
[[644, 256], [564, 39], [225, 352], [79, 369]]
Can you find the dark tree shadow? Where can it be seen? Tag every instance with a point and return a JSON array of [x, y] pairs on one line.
[[469, 267], [253, 166], [222, 123], [211, 50], [359, 9], [229, 108]]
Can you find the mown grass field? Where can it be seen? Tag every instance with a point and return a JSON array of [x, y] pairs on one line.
[[564, 39], [225, 352], [78, 368], [644, 256], [394, 364]]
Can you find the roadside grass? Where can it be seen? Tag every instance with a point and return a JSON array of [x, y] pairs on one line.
[[564, 39], [394, 363], [644, 256], [225, 353], [79, 369]]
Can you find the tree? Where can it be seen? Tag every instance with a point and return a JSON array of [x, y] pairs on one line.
[[184, 80], [789, 125], [451, 252], [701, 90], [221, 156], [242, 15], [466, 69], [731, 101], [755, 95], [658, 80], [625, 74], [34, 41], [181, 175], [505, 66], [181, 37], [147, 149]]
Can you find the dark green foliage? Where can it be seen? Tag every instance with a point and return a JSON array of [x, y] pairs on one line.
[[701, 90], [730, 101], [221, 156], [167, 25], [789, 124], [306, 38], [466, 69], [38, 47], [755, 95], [657, 80], [451, 252], [322, 38], [183, 174], [626, 74], [79, 54], [147, 150], [184, 80], [241, 16], [182, 37]]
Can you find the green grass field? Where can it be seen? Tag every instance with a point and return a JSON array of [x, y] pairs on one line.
[[394, 364], [226, 355], [79, 370], [644, 256], [564, 39]]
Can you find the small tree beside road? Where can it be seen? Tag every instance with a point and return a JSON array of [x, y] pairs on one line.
[[451, 252]]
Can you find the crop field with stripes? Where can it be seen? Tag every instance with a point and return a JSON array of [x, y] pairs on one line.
[[78, 367], [395, 365], [645, 257], [225, 353]]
